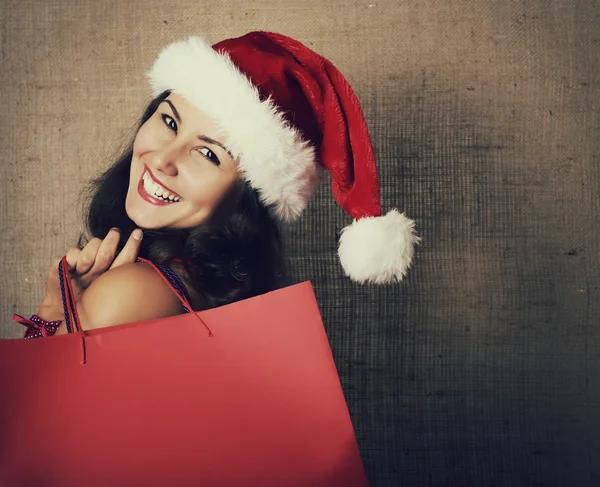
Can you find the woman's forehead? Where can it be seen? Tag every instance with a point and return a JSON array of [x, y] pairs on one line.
[[192, 116], [188, 112]]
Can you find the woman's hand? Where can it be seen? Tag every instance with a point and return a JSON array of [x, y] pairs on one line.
[[85, 265], [98, 256]]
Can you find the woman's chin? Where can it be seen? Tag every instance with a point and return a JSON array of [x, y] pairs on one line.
[[144, 223], [141, 221]]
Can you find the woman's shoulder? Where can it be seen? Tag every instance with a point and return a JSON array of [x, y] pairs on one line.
[[126, 294]]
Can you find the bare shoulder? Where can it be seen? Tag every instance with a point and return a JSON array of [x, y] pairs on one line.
[[126, 294]]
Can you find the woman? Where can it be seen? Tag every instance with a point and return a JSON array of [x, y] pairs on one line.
[[237, 136]]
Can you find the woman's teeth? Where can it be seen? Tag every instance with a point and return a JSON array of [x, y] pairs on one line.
[[158, 191]]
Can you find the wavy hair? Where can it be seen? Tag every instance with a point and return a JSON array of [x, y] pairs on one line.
[[235, 254]]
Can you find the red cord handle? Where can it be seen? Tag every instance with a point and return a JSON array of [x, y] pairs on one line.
[[183, 300]]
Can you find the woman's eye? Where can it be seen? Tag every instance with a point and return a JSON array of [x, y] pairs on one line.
[[210, 155], [169, 122]]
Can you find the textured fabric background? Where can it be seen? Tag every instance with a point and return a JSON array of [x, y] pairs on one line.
[[483, 367]]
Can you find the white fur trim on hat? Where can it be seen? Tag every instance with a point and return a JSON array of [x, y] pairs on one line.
[[273, 157], [378, 249]]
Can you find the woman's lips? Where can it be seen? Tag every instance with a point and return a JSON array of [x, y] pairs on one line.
[[148, 197]]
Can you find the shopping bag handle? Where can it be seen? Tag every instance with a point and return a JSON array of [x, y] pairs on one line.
[[68, 298], [186, 304], [70, 305]]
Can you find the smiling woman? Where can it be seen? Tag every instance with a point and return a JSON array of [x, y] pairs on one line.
[[177, 168], [205, 227], [235, 139], [201, 221]]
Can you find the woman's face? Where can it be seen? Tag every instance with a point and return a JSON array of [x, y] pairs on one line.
[[179, 170]]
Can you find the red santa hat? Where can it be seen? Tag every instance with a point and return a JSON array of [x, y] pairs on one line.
[[286, 113]]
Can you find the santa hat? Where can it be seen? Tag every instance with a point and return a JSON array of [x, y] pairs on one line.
[[286, 113]]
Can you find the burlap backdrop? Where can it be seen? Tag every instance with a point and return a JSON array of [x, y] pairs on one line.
[[483, 367]]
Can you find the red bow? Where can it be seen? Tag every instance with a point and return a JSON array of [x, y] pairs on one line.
[[37, 327]]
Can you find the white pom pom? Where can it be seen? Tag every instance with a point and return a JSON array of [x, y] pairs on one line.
[[378, 249]]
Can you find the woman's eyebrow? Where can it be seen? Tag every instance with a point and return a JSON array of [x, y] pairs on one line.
[[212, 141], [175, 112]]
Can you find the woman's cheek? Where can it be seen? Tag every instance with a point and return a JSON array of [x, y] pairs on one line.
[[145, 138], [140, 144]]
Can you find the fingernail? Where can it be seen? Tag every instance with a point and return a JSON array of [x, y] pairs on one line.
[[137, 234], [116, 229]]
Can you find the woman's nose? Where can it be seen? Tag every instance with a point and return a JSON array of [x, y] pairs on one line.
[[165, 160]]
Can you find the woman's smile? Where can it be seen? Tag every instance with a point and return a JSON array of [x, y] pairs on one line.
[[154, 192]]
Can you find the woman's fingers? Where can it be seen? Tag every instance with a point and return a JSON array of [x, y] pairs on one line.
[[106, 252], [87, 257], [130, 251], [72, 257]]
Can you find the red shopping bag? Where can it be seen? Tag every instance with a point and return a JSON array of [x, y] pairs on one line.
[[162, 403]]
